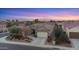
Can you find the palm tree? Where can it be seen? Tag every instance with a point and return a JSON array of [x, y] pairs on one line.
[[57, 31], [61, 36], [51, 21]]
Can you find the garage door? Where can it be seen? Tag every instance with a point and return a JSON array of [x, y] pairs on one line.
[[74, 35], [42, 34]]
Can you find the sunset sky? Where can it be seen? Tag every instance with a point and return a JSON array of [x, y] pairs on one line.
[[40, 13]]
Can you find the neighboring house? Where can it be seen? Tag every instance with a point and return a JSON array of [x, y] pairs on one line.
[[3, 27], [73, 33], [70, 25]]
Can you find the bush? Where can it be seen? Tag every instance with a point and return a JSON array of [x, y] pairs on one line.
[[15, 32]]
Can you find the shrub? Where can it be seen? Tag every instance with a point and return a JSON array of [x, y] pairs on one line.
[[15, 32]]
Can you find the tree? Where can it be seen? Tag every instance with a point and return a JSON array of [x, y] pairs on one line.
[[60, 35], [12, 23], [8, 24], [16, 22], [36, 20], [58, 31], [34, 32], [51, 21], [15, 32]]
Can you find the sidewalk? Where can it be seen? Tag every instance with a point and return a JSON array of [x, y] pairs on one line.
[[34, 43]]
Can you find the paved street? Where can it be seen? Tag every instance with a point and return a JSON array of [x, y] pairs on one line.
[[3, 34], [21, 47]]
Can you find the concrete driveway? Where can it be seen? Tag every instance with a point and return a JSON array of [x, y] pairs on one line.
[[75, 43]]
